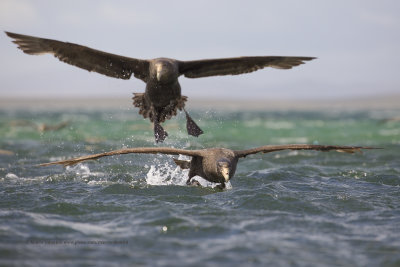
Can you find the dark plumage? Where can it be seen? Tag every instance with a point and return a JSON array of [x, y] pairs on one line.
[[162, 97], [216, 165]]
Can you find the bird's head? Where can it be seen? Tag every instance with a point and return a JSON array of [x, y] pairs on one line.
[[224, 169], [165, 71]]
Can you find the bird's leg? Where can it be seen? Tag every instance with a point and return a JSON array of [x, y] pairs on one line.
[[191, 126], [159, 133]]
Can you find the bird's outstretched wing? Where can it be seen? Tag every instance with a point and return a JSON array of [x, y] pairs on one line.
[[237, 65], [272, 148], [84, 57], [137, 150]]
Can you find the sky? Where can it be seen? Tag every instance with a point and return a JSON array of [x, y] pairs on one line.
[[357, 44]]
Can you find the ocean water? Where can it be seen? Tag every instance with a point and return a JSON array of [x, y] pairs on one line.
[[288, 208]]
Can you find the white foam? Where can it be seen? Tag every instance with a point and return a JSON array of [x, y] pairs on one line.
[[86, 228], [11, 176], [82, 171]]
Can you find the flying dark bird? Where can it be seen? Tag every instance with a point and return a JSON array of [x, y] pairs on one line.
[[162, 97], [217, 165]]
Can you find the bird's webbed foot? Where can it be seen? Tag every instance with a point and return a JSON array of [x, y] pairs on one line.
[[159, 133], [192, 127], [192, 182]]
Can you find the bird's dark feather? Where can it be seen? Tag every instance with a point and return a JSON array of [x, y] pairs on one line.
[[84, 57], [238, 65], [142, 150], [272, 148]]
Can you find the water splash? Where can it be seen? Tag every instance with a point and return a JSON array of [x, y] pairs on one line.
[[81, 170], [168, 174]]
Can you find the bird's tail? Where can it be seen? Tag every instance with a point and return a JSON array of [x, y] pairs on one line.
[[157, 114]]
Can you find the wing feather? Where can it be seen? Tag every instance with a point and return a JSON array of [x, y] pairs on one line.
[[272, 148], [238, 65], [84, 57], [137, 150]]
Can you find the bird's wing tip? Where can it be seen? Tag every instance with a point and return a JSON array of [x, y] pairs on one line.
[[44, 164], [355, 149], [9, 34], [64, 163], [311, 58]]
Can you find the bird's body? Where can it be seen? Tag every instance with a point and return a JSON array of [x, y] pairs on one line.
[[217, 165], [162, 86], [204, 166], [162, 97], [211, 171]]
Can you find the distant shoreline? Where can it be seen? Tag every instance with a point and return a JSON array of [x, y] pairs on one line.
[[366, 103]]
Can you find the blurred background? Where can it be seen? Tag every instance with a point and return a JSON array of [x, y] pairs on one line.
[[356, 42]]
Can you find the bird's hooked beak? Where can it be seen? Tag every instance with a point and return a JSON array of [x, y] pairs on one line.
[[225, 173], [159, 70]]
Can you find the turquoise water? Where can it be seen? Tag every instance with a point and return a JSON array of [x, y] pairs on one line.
[[286, 208]]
